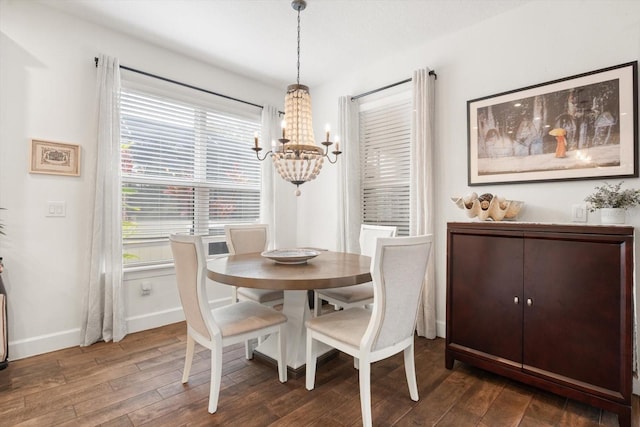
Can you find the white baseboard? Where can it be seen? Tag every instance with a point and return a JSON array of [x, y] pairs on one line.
[[154, 320], [43, 344], [64, 339], [441, 329]]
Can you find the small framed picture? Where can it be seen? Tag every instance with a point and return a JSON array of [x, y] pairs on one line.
[[579, 127], [54, 158]]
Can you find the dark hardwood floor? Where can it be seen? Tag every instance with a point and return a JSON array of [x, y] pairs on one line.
[[137, 382]]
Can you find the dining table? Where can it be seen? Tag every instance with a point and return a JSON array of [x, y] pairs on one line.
[[326, 270]]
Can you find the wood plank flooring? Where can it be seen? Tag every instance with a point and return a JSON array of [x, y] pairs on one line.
[[137, 382]]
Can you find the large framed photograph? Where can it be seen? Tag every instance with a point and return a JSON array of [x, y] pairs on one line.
[[55, 158], [579, 127]]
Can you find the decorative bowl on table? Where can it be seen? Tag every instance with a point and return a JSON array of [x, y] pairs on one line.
[[291, 256]]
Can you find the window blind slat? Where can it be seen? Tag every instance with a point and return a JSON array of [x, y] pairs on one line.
[[185, 168], [385, 133]]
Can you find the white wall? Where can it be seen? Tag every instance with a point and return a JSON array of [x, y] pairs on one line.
[[538, 42], [47, 91]]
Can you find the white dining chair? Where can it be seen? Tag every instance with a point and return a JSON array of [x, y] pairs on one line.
[[356, 295], [221, 327], [398, 272], [245, 239]]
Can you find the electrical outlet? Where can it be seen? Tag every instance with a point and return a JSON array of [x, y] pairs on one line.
[[579, 213], [145, 289]]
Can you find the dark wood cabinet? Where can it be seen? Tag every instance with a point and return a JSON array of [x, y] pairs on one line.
[[549, 305]]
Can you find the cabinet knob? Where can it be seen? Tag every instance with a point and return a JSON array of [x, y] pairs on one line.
[[529, 302], [516, 300]]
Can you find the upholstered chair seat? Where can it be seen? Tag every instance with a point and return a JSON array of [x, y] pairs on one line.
[[263, 296]]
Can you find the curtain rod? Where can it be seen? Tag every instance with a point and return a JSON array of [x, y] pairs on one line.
[[186, 85], [353, 98]]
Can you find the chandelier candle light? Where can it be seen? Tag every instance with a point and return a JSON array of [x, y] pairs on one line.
[[297, 158]]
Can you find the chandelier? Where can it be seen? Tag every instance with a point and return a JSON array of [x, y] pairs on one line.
[[297, 158]]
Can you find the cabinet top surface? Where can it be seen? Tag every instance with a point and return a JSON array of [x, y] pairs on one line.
[[543, 227]]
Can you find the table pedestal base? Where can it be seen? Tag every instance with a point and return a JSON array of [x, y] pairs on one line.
[[296, 308], [295, 373]]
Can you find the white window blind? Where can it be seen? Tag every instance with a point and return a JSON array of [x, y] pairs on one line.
[[385, 132], [185, 169]]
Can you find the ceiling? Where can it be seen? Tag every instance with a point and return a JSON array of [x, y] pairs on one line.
[[257, 38]]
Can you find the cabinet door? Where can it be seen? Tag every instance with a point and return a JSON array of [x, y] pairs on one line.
[[572, 328], [485, 279]]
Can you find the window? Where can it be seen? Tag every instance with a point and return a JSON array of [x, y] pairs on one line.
[[385, 133], [186, 168]]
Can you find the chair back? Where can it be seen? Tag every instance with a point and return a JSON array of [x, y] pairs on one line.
[[246, 238], [190, 264], [398, 270], [369, 234]]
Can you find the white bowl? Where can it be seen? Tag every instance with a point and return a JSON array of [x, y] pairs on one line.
[[290, 256]]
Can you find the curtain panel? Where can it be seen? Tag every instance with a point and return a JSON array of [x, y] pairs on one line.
[[103, 313], [270, 131], [422, 187], [349, 209]]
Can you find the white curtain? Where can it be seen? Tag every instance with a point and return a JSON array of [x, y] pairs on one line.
[[421, 193], [270, 132], [348, 177], [103, 311]]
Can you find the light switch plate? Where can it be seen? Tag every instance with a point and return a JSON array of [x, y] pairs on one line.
[[579, 213], [56, 209]]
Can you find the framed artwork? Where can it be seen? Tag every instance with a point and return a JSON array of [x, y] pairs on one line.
[[579, 127], [54, 158]]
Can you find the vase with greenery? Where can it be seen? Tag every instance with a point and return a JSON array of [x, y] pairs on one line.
[[612, 201]]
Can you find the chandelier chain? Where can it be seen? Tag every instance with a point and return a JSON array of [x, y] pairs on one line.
[[298, 64]]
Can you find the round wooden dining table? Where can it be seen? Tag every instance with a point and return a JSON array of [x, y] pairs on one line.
[[327, 270]]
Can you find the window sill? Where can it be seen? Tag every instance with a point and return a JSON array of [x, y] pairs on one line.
[[141, 272], [155, 270]]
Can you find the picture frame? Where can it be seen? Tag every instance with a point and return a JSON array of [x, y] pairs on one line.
[[55, 158], [575, 128]]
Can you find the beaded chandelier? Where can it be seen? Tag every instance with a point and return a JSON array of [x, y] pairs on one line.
[[297, 158]]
